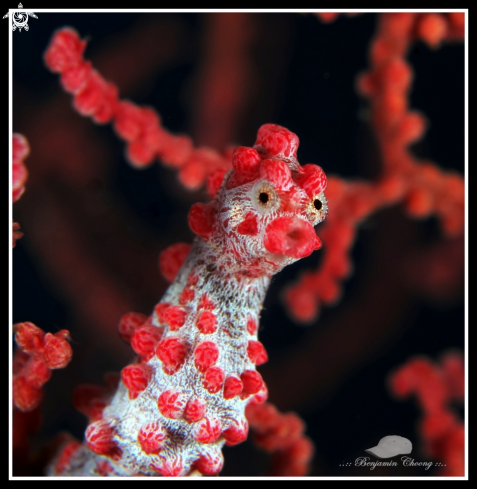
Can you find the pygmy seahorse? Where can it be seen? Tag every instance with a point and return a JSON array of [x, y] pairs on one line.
[[185, 396]]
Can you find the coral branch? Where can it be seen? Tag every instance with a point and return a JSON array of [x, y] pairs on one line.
[[282, 435], [421, 186], [435, 387], [140, 127], [20, 150], [38, 354]]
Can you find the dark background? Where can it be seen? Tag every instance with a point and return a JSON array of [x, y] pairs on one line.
[[303, 78]]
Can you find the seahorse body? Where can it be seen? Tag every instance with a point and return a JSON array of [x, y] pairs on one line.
[[196, 370]]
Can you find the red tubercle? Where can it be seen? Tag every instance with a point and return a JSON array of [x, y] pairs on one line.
[[256, 352], [192, 279], [236, 433], [233, 387], [276, 141], [129, 323], [214, 181], [195, 410], [145, 339], [201, 219], [246, 162], [210, 463], [100, 438], [160, 309], [249, 226], [172, 466], [251, 325], [171, 351], [312, 181], [278, 173], [172, 258], [213, 379], [136, 378], [206, 354], [206, 303], [207, 430], [252, 382], [152, 437], [175, 317], [206, 322], [186, 296], [171, 404]]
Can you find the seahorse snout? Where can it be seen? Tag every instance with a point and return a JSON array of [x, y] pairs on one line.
[[292, 237]]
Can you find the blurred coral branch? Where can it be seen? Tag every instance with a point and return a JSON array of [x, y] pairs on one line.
[[435, 388]]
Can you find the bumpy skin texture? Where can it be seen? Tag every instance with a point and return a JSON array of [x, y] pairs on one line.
[[186, 395]]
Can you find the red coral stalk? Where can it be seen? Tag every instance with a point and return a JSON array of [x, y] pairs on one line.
[[20, 150], [282, 435], [140, 127], [423, 188], [435, 386]]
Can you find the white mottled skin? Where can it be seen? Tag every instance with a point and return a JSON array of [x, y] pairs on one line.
[[237, 284]]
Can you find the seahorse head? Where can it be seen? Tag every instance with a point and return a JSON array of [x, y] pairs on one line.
[[264, 210]]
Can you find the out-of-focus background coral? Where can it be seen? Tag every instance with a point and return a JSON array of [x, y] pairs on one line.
[[94, 226]]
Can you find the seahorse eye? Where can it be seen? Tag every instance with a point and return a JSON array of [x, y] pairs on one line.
[[317, 208], [318, 204], [263, 197]]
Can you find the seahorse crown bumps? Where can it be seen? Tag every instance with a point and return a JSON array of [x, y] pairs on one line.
[[185, 396]]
